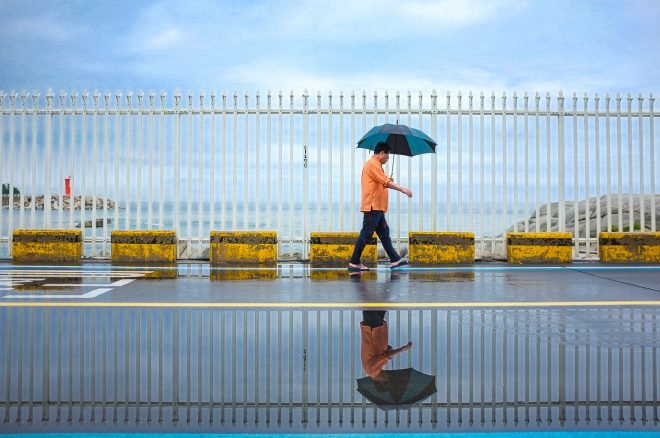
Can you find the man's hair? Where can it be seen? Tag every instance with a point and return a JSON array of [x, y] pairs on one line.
[[382, 147]]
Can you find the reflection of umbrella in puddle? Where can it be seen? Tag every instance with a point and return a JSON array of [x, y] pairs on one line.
[[397, 389]]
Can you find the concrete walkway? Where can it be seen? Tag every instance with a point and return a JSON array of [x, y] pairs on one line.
[[298, 285]]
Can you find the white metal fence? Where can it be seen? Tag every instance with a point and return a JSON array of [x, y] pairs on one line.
[[288, 162]]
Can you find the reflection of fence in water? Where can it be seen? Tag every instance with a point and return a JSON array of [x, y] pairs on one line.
[[295, 367], [297, 270]]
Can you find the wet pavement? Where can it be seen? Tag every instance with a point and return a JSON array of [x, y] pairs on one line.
[[100, 348], [299, 285]]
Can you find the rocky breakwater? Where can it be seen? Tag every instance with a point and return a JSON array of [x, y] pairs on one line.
[[589, 213], [67, 202]]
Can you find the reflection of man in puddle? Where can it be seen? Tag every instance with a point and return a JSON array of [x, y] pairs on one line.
[[375, 349]]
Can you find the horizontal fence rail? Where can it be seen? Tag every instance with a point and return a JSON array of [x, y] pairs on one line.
[[294, 370], [288, 162]]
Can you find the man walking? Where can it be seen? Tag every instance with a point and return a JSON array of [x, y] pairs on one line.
[[374, 206]]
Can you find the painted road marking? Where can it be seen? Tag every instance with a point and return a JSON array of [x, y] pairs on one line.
[[11, 278], [101, 288], [71, 273], [91, 294], [117, 283], [476, 304]]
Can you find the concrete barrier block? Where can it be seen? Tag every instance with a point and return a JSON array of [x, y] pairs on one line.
[[47, 246], [243, 248], [629, 247], [334, 249], [152, 246], [530, 248], [431, 248]]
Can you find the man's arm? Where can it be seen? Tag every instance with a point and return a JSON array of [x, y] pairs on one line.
[[394, 186]]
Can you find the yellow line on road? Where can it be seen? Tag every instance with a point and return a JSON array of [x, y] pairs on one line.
[[298, 305]]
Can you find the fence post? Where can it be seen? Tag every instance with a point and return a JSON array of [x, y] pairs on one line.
[[33, 153], [434, 165], [47, 157], [504, 166], [177, 160], [305, 141], [561, 172], [95, 171], [129, 147], [652, 159], [106, 159]]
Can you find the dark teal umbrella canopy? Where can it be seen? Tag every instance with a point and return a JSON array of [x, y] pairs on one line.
[[402, 140], [397, 389]]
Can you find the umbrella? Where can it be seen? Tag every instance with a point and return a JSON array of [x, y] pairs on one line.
[[402, 140], [397, 389]]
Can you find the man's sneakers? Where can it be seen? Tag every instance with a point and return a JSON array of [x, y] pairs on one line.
[[360, 267], [399, 264]]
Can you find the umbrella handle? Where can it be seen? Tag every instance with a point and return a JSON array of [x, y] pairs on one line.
[[392, 170]]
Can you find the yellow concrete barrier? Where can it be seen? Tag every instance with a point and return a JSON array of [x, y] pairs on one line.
[[243, 248], [47, 246], [629, 247], [432, 249], [153, 246], [529, 248], [334, 249]]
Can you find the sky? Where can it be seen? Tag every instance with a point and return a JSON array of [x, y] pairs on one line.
[[419, 45], [168, 46]]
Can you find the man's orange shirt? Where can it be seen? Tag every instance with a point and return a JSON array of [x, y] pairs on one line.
[[374, 186], [374, 348]]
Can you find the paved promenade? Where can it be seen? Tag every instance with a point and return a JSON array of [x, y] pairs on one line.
[[298, 285], [110, 349]]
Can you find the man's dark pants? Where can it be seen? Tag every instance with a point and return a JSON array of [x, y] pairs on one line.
[[374, 220]]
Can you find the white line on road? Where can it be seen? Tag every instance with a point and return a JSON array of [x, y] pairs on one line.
[[91, 294], [117, 283]]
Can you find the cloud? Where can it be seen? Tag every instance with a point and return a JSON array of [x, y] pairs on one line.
[[451, 13], [275, 77], [164, 40], [157, 28], [287, 76], [387, 19]]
